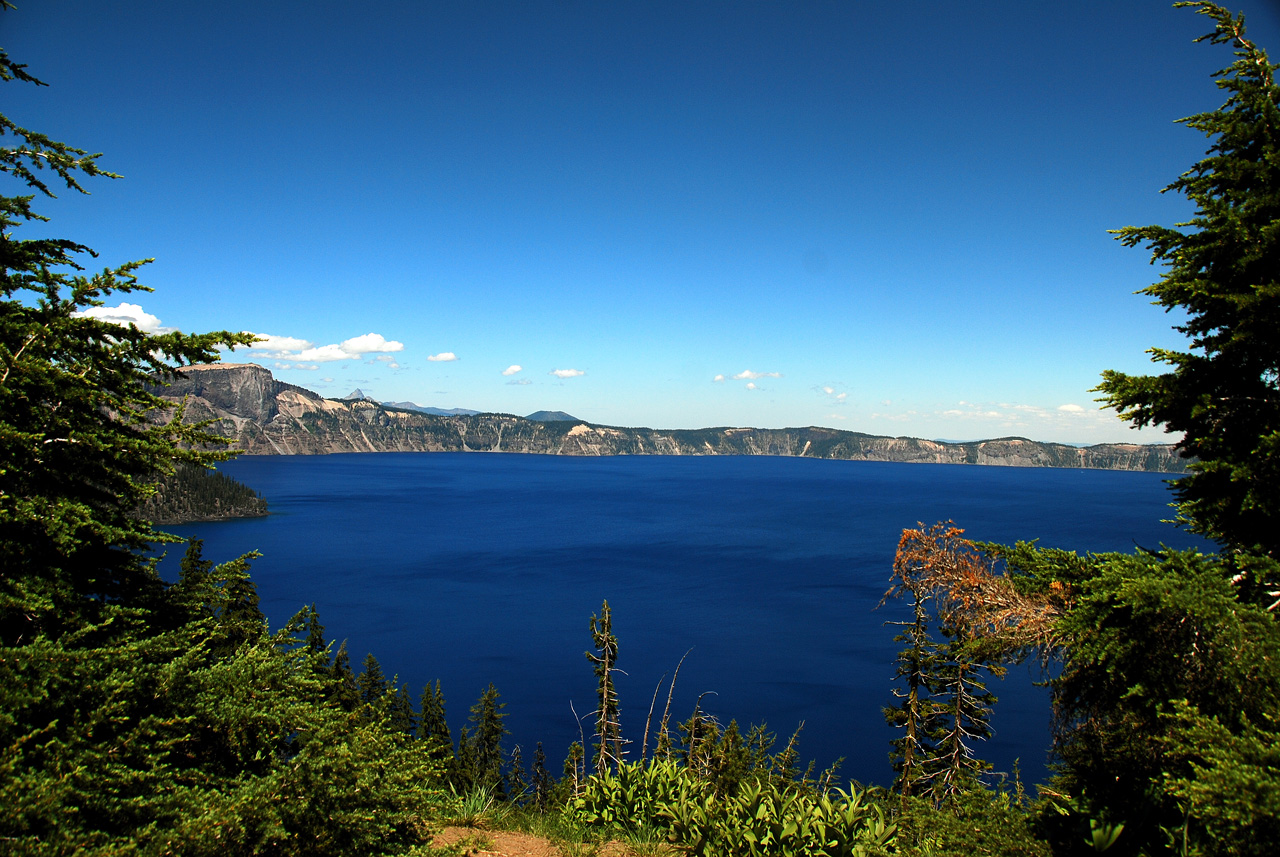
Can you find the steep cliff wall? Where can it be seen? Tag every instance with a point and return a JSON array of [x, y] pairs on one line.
[[266, 417]]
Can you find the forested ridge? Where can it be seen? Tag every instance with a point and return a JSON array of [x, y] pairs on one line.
[[192, 493], [153, 717]]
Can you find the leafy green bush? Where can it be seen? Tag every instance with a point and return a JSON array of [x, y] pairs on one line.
[[763, 818]]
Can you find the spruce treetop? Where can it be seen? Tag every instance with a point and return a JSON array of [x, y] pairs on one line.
[[1222, 268]]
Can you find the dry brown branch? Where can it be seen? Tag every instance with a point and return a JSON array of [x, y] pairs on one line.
[[938, 563]]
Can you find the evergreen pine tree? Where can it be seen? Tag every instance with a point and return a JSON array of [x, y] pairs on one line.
[[541, 779], [434, 728], [608, 730], [515, 776], [575, 773], [484, 740], [917, 714], [344, 689], [400, 713], [1223, 393], [963, 714], [316, 645], [372, 684]]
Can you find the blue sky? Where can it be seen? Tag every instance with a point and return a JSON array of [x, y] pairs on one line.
[[889, 218]]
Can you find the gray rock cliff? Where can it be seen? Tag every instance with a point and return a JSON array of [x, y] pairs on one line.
[[264, 416]]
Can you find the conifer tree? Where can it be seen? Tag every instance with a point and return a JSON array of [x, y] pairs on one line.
[[371, 683], [344, 689], [480, 753], [575, 773], [917, 713], [962, 712], [541, 779], [1222, 393], [433, 728], [316, 645], [608, 730], [400, 713], [516, 786]]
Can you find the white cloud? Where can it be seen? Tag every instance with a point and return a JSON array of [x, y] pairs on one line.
[[277, 345], [519, 382], [327, 380], [308, 366], [513, 369], [748, 375], [442, 357], [1072, 409], [370, 343], [323, 354], [828, 390], [566, 373], [125, 315], [840, 397], [718, 378], [751, 385], [301, 350]]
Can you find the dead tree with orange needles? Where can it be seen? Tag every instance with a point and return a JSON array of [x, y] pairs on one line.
[[945, 707]]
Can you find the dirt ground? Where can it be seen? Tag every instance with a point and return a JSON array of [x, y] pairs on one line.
[[510, 843], [505, 843]]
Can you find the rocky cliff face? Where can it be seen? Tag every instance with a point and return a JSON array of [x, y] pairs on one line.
[[267, 417]]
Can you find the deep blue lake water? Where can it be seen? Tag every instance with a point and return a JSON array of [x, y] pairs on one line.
[[471, 568]]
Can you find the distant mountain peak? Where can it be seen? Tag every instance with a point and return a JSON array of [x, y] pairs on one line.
[[552, 417], [423, 409], [356, 395]]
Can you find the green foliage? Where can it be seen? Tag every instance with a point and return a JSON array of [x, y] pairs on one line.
[[1160, 652], [973, 823], [120, 738], [1223, 393], [193, 493], [763, 818]]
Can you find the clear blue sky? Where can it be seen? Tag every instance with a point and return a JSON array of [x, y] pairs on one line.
[[889, 218]]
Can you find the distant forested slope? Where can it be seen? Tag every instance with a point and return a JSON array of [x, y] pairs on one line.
[[195, 494]]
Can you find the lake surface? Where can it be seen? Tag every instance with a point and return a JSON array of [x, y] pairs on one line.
[[471, 568]]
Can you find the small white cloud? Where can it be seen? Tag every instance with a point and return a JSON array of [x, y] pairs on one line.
[[828, 390], [566, 373], [1073, 409], [519, 382], [748, 375], [751, 385], [327, 380], [370, 343], [513, 369], [718, 378], [323, 354], [442, 357], [840, 397], [125, 315], [308, 366], [271, 343]]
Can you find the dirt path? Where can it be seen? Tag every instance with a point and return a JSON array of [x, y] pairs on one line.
[[506, 843], [512, 843]]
